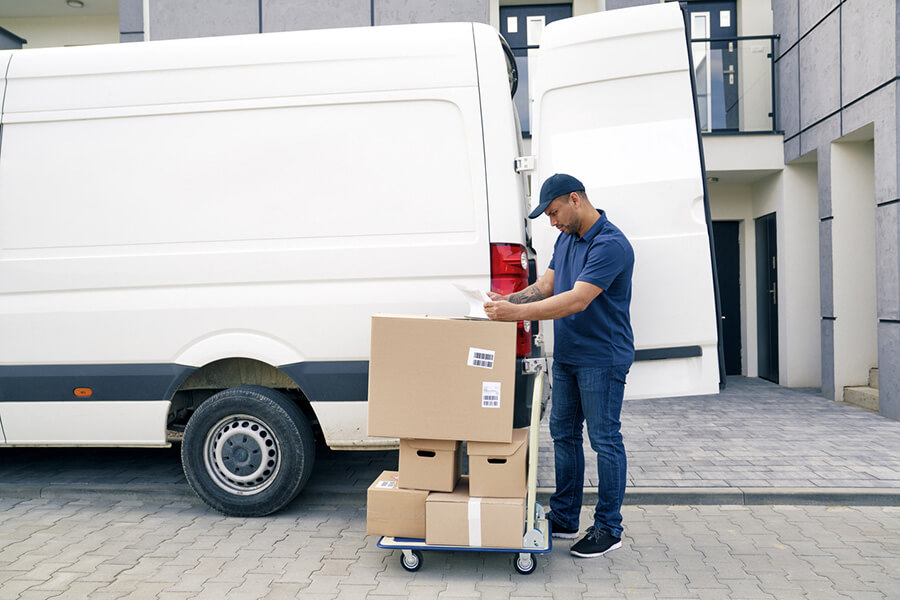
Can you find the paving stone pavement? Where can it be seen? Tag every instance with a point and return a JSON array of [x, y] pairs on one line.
[[104, 549], [754, 434]]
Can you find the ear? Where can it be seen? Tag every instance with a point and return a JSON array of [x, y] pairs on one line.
[[575, 199]]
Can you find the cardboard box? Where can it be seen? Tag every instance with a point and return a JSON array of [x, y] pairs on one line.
[[393, 511], [430, 465], [442, 379], [456, 519], [496, 469]]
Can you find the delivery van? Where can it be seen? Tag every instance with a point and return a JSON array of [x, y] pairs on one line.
[[195, 234]]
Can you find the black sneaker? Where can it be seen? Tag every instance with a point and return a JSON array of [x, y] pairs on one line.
[[558, 531], [595, 543]]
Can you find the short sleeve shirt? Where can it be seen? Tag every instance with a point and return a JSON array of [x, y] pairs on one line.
[[600, 335]]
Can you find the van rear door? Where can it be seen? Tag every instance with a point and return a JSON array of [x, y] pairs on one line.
[[614, 106]]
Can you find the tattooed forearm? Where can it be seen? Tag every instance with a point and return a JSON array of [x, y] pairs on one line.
[[529, 294]]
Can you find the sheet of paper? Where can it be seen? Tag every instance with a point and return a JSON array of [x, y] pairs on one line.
[[476, 299]]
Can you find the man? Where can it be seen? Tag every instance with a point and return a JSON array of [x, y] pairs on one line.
[[587, 290]]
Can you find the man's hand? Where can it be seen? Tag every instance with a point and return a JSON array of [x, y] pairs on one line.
[[495, 296], [501, 310]]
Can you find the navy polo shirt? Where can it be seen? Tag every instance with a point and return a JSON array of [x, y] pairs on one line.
[[600, 335]]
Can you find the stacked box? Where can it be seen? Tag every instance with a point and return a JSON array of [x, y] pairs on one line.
[[433, 465], [433, 382], [393, 511], [497, 469], [459, 519]]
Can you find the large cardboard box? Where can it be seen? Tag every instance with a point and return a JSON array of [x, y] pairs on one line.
[[456, 519], [442, 379], [497, 469], [393, 511], [430, 464]]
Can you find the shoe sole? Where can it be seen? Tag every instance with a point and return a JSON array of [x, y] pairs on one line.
[[596, 554], [564, 536]]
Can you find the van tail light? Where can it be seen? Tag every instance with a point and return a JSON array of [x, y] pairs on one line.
[[509, 273]]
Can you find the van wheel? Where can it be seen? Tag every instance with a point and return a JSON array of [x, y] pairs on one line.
[[247, 451]]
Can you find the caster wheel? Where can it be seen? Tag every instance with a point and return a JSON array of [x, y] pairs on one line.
[[525, 564], [412, 561]]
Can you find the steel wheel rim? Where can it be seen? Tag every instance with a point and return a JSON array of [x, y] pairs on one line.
[[242, 455]]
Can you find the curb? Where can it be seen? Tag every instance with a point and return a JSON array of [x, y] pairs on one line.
[[344, 495]]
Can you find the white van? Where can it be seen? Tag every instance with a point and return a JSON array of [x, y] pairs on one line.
[[194, 234]]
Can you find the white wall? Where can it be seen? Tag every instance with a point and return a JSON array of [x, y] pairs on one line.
[[853, 251], [800, 332], [46, 32]]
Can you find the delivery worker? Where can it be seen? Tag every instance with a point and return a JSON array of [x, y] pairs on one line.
[[587, 291]]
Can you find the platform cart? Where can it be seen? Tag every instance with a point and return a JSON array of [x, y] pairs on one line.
[[537, 538]]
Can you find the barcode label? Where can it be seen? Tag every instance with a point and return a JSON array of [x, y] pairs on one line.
[[386, 484], [490, 394], [478, 357]]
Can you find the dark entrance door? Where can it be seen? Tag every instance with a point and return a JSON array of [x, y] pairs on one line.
[[715, 62], [728, 263], [767, 297]]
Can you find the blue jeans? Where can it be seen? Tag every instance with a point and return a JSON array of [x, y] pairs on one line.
[[593, 394]]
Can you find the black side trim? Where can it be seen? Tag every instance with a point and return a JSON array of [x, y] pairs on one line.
[[889, 202], [664, 353], [56, 383], [828, 318], [889, 320], [331, 381]]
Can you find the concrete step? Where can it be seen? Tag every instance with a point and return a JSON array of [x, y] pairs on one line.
[[873, 378], [864, 396]]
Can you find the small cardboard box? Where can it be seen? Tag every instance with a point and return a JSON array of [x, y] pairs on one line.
[[456, 519], [439, 378], [496, 469], [393, 511], [433, 465]]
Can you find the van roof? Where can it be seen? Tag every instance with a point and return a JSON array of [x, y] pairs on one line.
[[287, 64]]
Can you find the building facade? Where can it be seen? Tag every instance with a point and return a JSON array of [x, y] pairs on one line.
[[798, 106]]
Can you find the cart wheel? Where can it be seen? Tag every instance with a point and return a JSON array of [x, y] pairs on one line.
[[525, 563], [411, 560]]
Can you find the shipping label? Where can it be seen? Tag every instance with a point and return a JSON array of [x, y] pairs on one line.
[[386, 484], [478, 357], [490, 394]]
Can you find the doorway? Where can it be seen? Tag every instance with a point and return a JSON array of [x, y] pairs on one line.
[[767, 297], [728, 263]]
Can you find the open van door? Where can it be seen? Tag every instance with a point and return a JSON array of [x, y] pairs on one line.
[[614, 106]]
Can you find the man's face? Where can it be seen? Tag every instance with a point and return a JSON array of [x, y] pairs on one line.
[[562, 215]]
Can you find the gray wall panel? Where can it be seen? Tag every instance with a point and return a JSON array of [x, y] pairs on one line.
[[393, 12], [824, 166], [170, 19], [131, 37], [784, 13], [820, 135], [131, 16], [296, 15], [792, 150], [889, 369], [615, 4], [826, 270], [820, 91], [789, 93], [868, 55], [828, 358], [887, 260], [812, 11]]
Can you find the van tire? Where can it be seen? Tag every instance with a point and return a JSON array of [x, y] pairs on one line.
[[248, 451]]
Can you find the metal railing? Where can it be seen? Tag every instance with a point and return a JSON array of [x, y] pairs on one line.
[[736, 84]]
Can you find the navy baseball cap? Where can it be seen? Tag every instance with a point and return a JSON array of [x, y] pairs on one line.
[[556, 185]]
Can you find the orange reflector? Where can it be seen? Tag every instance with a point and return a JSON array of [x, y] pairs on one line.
[[84, 392]]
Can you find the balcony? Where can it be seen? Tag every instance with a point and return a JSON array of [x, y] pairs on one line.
[[735, 79]]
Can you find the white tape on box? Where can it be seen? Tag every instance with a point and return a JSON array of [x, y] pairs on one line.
[[475, 521]]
